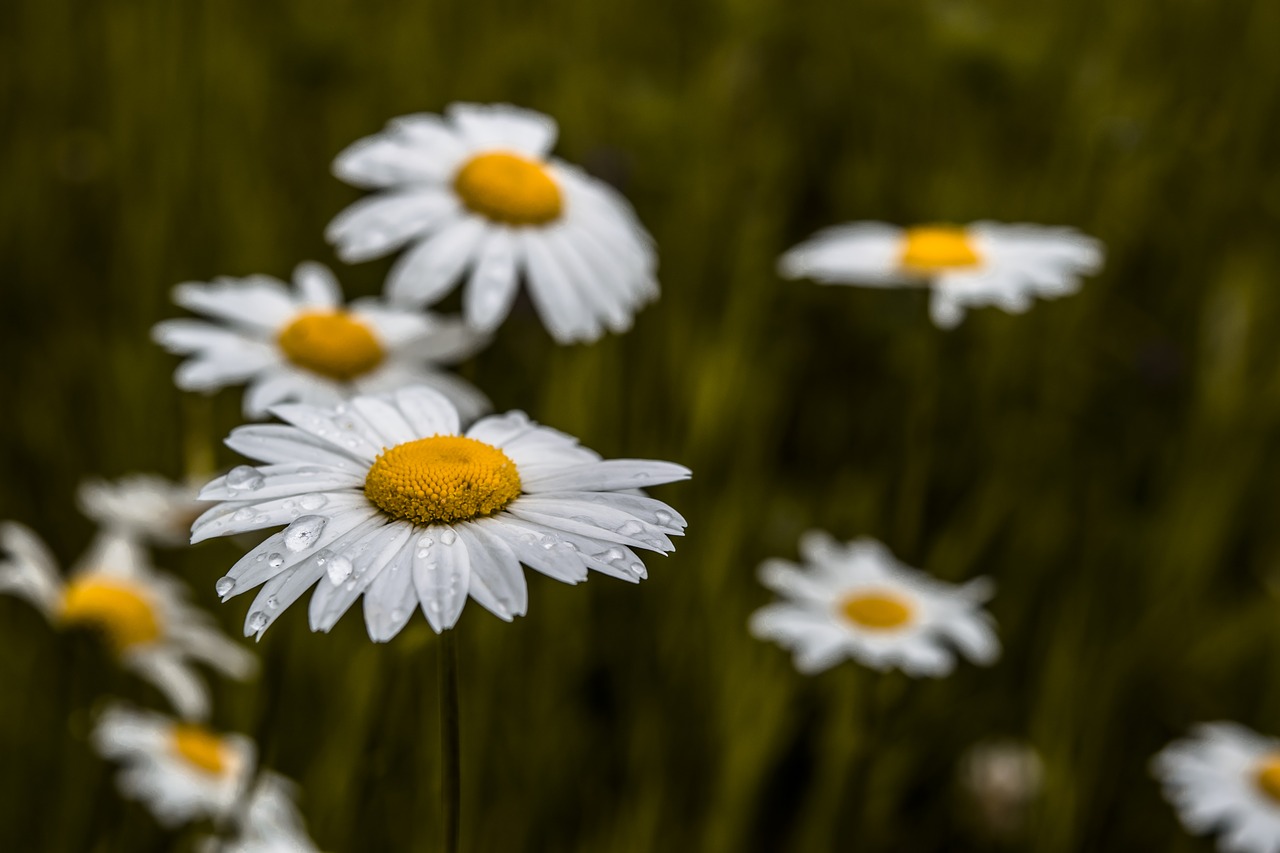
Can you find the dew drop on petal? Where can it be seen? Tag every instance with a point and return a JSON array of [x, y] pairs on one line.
[[276, 560], [304, 532], [273, 603], [662, 517], [224, 586], [631, 528], [257, 621], [245, 478], [242, 514], [448, 537], [311, 503], [339, 568]]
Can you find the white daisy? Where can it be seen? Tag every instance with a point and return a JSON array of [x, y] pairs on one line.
[[986, 263], [1225, 778], [145, 615], [268, 823], [477, 190], [183, 772], [145, 506], [856, 601], [303, 345], [385, 497]]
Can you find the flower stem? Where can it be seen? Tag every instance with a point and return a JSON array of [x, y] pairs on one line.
[[450, 763]]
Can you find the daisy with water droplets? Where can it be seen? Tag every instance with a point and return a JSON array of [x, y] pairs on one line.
[[1225, 778], [182, 772], [986, 263], [304, 345], [387, 498], [145, 506], [144, 615], [479, 196], [856, 601]]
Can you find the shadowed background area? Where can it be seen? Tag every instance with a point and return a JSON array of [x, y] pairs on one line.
[[1107, 458]]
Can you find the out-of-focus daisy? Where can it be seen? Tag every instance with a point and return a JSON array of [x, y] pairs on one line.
[[856, 601], [145, 615], [182, 772], [145, 506], [304, 345], [1225, 777], [268, 823], [385, 497], [986, 263], [479, 195]]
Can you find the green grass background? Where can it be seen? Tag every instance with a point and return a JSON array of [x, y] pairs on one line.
[[1110, 459]]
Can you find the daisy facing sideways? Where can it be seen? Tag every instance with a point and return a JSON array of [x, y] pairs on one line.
[[986, 263], [145, 506], [1225, 778], [153, 629], [856, 601], [182, 772], [386, 497], [479, 197], [304, 345]]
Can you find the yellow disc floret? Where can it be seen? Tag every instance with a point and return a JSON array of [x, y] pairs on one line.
[[200, 748], [508, 188], [877, 611], [331, 343], [1268, 777], [120, 609], [934, 248], [442, 479]]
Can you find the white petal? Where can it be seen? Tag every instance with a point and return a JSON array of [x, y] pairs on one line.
[[424, 274], [428, 412], [175, 679], [340, 426], [610, 474], [504, 127], [375, 226], [498, 430], [369, 557], [232, 517], [391, 600], [413, 150], [317, 285], [487, 298], [441, 576], [497, 581], [559, 306], [278, 443], [257, 302], [533, 547], [612, 520]]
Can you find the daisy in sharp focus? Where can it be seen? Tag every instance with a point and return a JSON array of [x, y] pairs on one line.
[[304, 345], [153, 629], [145, 506], [182, 772], [1225, 778], [856, 601], [386, 497], [986, 263], [479, 196]]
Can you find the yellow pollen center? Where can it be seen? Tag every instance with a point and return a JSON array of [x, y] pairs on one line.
[[200, 748], [117, 608], [331, 343], [1268, 777], [442, 479], [932, 248], [509, 188], [877, 611]]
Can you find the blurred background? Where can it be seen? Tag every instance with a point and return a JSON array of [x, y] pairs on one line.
[[1110, 459]]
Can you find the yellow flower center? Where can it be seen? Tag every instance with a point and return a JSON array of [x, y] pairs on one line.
[[117, 608], [200, 748], [877, 611], [442, 479], [331, 343], [509, 188], [932, 248], [1268, 777]]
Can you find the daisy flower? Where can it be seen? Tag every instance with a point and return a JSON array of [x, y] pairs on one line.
[[856, 601], [182, 772], [478, 195], [1225, 777], [304, 345], [986, 263], [270, 823], [145, 506], [386, 497], [144, 615]]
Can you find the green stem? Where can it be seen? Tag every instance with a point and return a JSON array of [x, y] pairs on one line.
[[450, 763]]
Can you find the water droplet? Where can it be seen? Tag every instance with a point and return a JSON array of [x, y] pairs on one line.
[[631, 528], [245, 478], [260, 558], [397, 615], [304, 532], [311, 503], [422, 553], [613, 555], [276, 560], [662, 517], [273, 603], [257, 621], [448, 537], [242, 514], [224, 586], [425, 542], [339, 569], [637, 569]]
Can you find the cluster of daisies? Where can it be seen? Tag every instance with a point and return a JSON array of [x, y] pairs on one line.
[[385, 479]]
